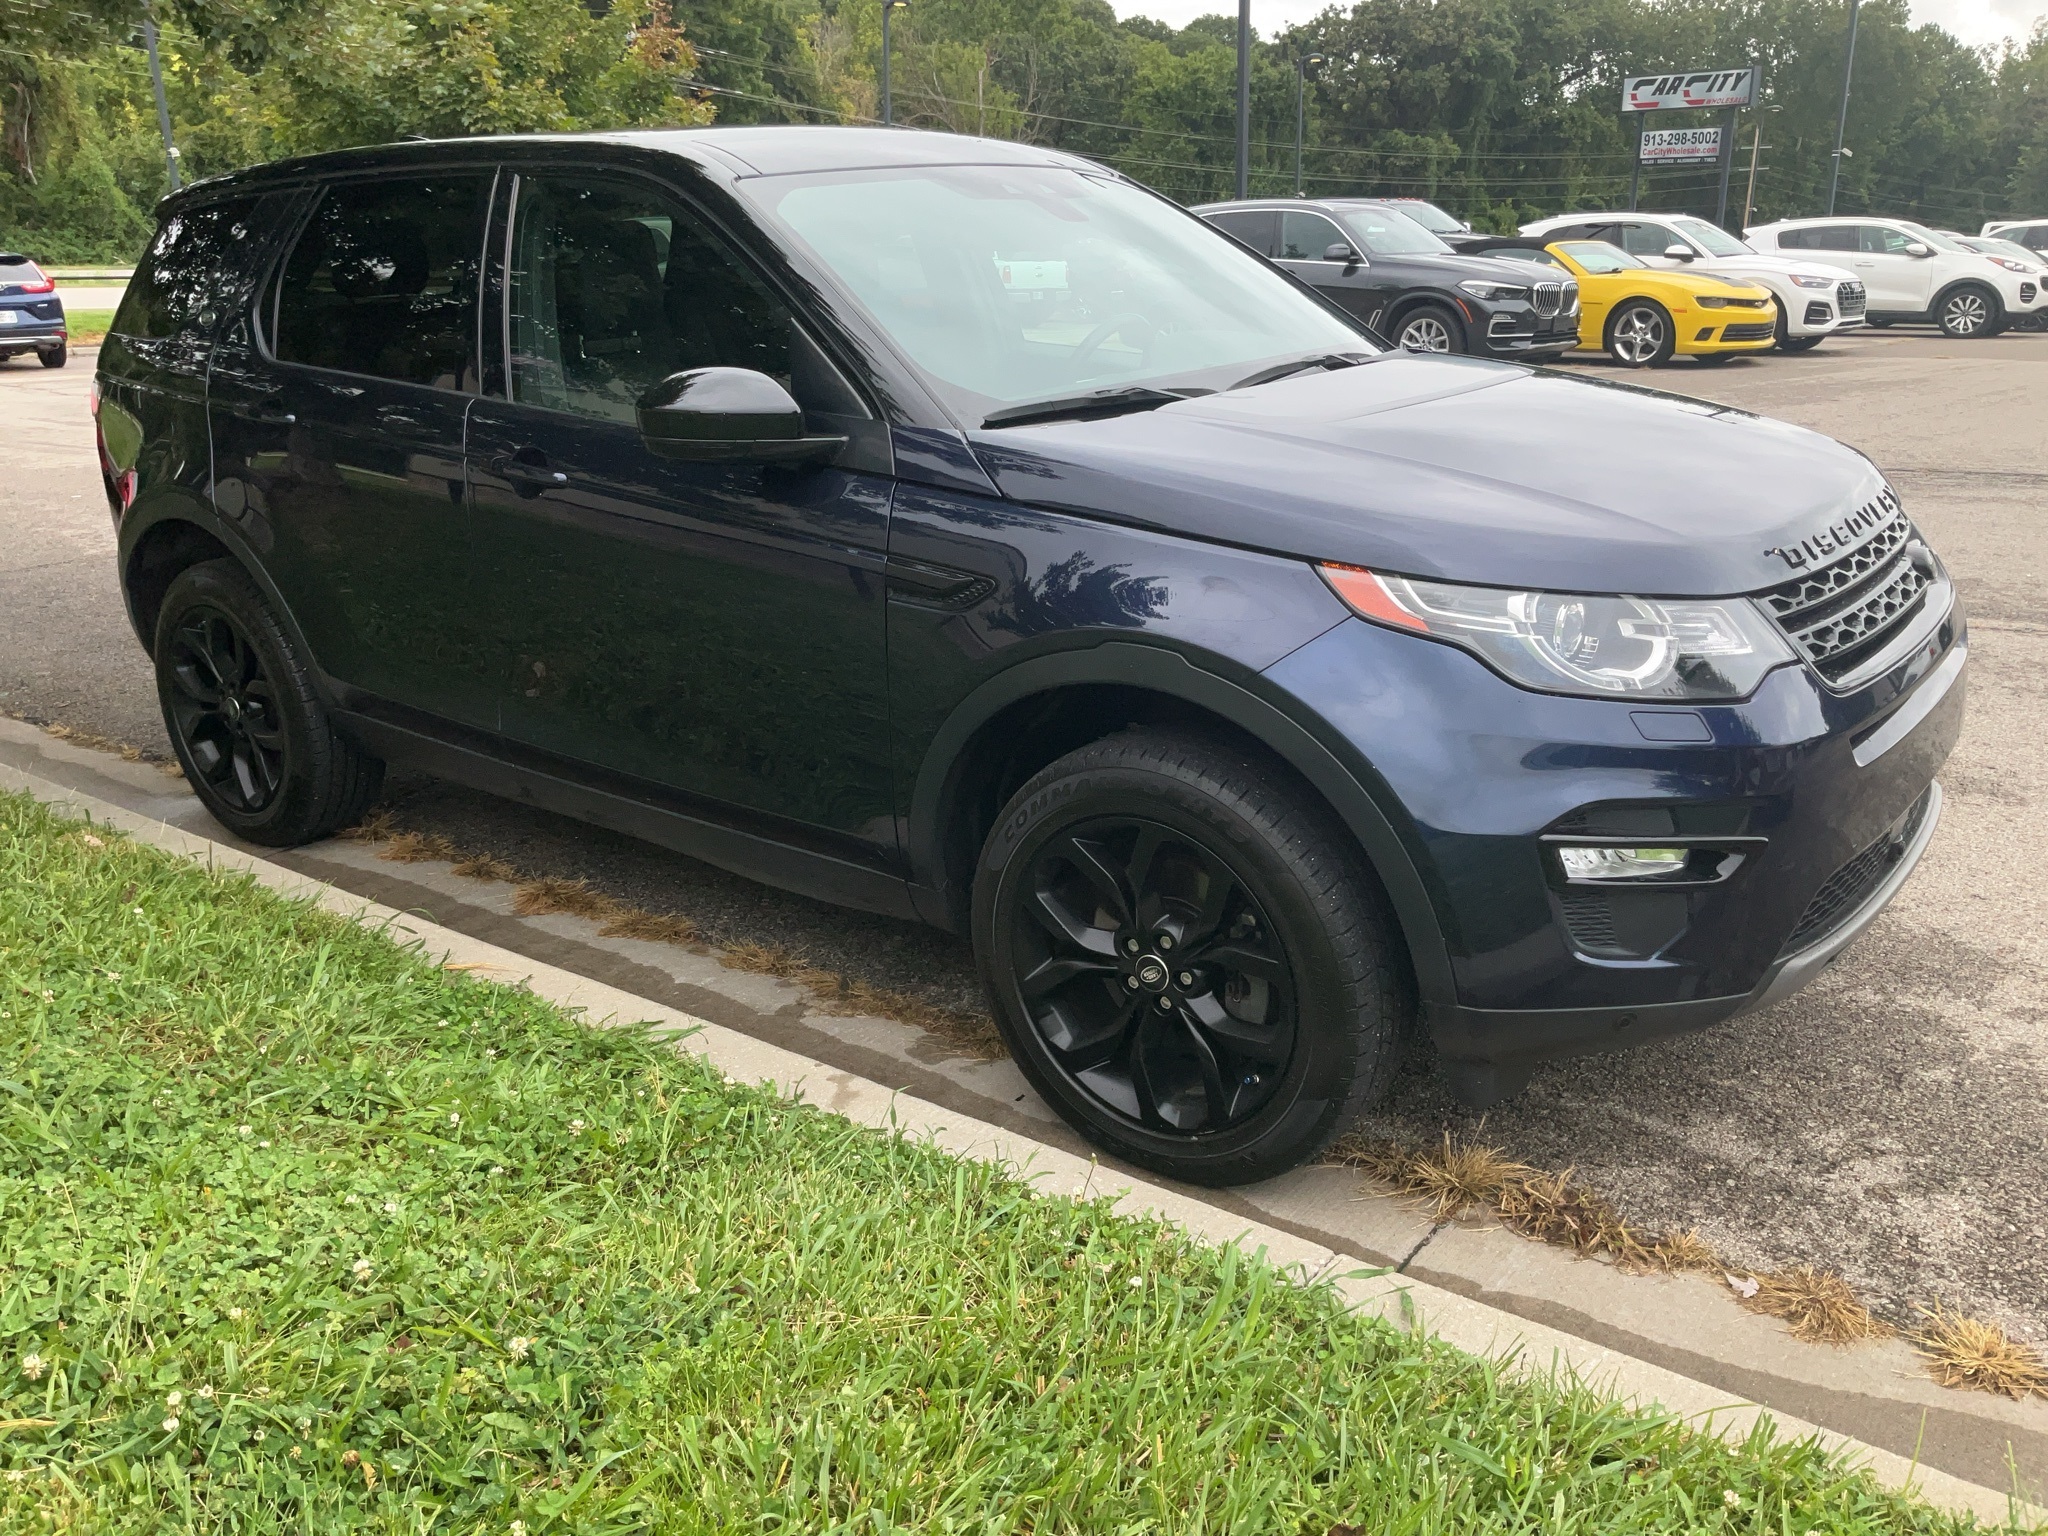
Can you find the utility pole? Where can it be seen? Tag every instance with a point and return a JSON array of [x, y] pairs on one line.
[[163, 110], [1842, 118], [888, 104], [1727, 166], [1756, 147], [1244, 98], [1306, 68], [1635, 164]]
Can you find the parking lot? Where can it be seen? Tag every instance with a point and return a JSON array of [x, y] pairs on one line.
[[1891, 1122]]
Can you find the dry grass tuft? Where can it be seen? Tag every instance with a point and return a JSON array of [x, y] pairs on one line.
[[1816, 1305], [418, 848], [373, 828], [537, 898], [973, 1033], [1556, 1208], [484, 866], [1686, 1252], [632, 923], [1962, 1352], [1449, 1178]]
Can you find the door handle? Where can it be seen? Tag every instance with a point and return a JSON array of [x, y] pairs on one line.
[[528, 465]]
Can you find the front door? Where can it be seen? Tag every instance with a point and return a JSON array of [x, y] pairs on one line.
[[1305, 240], [1896, 283], [338, 447], [710, 629]]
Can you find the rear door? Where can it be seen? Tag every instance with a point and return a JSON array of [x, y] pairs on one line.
[[712, 630], [1258, 228], [338, 436]]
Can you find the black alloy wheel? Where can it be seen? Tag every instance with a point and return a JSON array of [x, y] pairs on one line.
[[223, 710], [252, 735], [1153, 975], [1186, 957]]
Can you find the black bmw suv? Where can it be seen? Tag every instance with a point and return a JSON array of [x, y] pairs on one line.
[[958, 530], [1406, 282]]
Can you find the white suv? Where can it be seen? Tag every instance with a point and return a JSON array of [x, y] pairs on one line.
[[2032, 233], [1816, 299], [1912, 273]]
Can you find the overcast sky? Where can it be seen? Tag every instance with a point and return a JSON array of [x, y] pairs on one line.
[[1976, 22]]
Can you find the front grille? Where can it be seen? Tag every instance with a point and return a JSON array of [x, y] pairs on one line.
[[1757, 330], [1838, 614], [1849, 299], [1549, 298], [1818, 313], [1848, 887], [1571, 298]]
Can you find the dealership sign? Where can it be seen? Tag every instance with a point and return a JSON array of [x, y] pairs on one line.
[[1699, 88], [1681, 146]]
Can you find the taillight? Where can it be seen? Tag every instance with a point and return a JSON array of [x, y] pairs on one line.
[[47, 285]]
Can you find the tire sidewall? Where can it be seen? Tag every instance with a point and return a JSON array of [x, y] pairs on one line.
[[216, 585], [1452, 329], [1318, 1078], [1993, 312]]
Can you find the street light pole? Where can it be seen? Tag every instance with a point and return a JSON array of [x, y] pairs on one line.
[[1308, 65], [163, 110], [888, 105], [1842, 119], [1244, 98]]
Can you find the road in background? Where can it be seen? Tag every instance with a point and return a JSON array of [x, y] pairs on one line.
[[1892, 1121]]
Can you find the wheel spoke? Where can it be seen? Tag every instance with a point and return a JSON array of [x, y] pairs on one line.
[[1240, 957], [1052, 915], [1088, 861], [1087, 1048], [1059, 970], [1261, 1042], [1219, 883], [1214, 1089], [185, 676]]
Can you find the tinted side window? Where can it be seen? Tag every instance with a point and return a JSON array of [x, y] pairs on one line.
[[1255, 229], [1820, 237], [2034, 236], [1647, 239], [191, 263], [1305, 236], [383, 280], [614, 286]]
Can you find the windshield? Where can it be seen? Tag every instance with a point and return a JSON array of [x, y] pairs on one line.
[[1384, 232], [1008, 284], [1432, 218], [1712, 240], [1598, 255]]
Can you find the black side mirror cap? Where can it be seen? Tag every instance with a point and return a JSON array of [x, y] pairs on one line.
[[728, 414]]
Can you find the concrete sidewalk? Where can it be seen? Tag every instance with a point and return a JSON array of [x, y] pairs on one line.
[[1678, 1342]]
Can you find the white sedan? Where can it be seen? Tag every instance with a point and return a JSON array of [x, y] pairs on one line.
[[1815, 299]]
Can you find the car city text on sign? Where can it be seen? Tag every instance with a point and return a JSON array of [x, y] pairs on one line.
[[1699, 88]]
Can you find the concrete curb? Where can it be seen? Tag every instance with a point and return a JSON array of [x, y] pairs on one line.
[[1465, 1324]]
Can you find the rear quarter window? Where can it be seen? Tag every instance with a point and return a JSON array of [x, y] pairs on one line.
[[195, 267]]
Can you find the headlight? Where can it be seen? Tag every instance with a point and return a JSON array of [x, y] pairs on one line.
[[1596, 647], [1814, 282], [1709, 301], [2010, 265], [1493, 292]]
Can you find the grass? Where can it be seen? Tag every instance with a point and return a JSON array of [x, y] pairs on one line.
[[87, 327], [304, 1233]]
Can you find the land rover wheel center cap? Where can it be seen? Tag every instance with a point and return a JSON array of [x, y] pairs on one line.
[[1151, 972]]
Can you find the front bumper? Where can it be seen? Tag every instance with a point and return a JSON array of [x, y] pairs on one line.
[[1479, 776], [1512, 328]]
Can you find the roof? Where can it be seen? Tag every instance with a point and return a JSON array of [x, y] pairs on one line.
[[754, 150]]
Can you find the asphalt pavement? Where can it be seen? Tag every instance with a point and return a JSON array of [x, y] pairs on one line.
[[1891, 1122]]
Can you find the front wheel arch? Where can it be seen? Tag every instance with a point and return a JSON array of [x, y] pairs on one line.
[[1995, 306], [1624, 308], [949, 815], [1460, 333]]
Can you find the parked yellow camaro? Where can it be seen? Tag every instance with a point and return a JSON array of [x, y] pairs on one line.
[[1641, 316]]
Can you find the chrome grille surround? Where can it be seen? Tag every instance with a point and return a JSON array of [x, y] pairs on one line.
[[1571, 298], [1548, 297], [1838, 616], [1849, 299]]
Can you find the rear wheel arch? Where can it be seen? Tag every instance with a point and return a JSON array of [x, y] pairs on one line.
[[1039, 710], [161, 552]]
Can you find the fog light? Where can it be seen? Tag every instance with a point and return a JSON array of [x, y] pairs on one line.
[[1621, 863]]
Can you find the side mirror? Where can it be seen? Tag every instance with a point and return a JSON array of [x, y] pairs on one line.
[[728, 413], [1918, 248], [1675, 252], [1339, 252]]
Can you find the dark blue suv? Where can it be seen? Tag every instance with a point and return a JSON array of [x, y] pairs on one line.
[[957, 530]]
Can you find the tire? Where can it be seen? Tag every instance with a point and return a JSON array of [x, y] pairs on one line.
[[1095, 889], [1968, 312], [1787, 342], [256, 743], [1880, 325], [1640, 334], [56, 357], [1429, 328]]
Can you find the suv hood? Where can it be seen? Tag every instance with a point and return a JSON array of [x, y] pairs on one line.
[[1454, 267], [1459, 469], [1791, 266]]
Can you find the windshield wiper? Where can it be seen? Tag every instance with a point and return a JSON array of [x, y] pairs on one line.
[[1102, 402], [1302, 365]]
